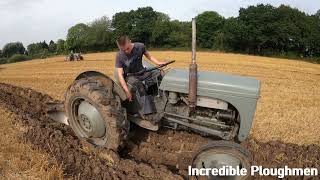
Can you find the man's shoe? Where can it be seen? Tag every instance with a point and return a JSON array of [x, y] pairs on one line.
[[145, 123]]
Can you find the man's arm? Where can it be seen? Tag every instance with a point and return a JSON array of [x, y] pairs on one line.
[[153, 59], [124, 84]]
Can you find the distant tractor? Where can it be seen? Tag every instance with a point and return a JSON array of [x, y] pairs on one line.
[[208, 103], [74, 57]]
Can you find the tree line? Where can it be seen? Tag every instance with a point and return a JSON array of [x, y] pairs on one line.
[[260, 30]]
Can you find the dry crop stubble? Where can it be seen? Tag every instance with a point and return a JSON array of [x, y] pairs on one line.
[[288, 109], [18, 160]]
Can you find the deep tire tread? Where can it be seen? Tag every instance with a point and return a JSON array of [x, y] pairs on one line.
[[105, 101]]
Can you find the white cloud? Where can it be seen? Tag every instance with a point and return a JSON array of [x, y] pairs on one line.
[[17, 5]]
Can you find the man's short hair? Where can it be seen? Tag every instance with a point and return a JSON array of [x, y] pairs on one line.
[[122, 40]]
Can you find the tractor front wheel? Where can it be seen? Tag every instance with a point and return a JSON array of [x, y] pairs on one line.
[[95, 113], [222, 154]]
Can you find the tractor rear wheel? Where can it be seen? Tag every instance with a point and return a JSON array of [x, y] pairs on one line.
[[95, 113], [219, 154]]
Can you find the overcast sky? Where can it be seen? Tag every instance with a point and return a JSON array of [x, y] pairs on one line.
[[37, 20]]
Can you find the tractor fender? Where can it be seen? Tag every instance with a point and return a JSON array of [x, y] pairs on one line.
[[116, 87]]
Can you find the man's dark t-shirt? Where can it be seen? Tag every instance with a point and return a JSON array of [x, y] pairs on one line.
[[131, 63]]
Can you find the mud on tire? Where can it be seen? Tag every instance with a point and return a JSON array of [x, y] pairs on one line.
[[106, 103]]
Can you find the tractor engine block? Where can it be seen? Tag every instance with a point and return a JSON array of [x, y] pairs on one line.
[[220, 119]]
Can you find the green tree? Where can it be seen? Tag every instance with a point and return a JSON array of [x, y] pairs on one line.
[[77, 37], [100, 36], [18, 58], [235, 36], [312, 39], [180, 35], [44, 45], [138, 24], [3, 60], [52, 47], [37, 50], [122, 23], [318, 13], [160, 34], [34, 48], [261, 25], [152, 28], [13, 48], [282, 30], [143, 24], [209, 23], [61, 46]]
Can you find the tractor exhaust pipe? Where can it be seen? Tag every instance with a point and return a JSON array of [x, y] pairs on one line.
[[193, 70]]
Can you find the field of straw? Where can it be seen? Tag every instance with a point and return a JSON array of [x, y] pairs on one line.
[[19, 160], [288, 109]]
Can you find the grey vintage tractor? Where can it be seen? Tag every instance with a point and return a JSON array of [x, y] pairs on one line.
[[212, 104]]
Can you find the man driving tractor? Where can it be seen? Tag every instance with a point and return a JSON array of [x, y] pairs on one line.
[[132, 76]]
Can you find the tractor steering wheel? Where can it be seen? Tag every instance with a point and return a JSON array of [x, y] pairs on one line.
[[159, 66]]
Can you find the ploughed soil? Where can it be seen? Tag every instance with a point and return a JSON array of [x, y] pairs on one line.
[[165, 154]]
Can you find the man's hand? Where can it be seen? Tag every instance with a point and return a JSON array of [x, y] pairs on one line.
[[129, 95], [124, 84], [161, 62]]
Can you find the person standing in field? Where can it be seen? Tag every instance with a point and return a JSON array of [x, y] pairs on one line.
[[131, 72]]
